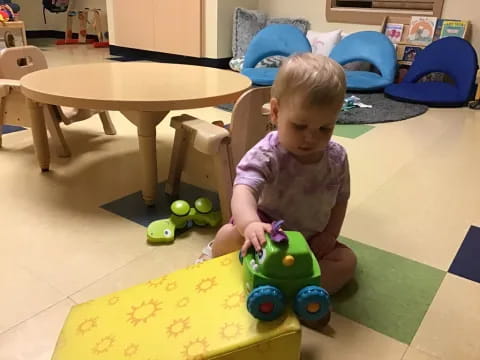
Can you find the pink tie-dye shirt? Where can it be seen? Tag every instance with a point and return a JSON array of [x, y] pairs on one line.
[[301, 194]]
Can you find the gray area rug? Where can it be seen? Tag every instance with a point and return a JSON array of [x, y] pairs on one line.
[[384, 110]]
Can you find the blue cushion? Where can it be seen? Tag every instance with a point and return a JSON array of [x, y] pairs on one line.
[[276, 39], [430, 93], [372, 47], [452, 56], [365, 81], [261, 76]]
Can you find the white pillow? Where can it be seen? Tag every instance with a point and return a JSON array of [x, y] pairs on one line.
[[323, 43]]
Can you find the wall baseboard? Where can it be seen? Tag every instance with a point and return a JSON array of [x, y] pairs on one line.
[[55, 34], [137, 54]]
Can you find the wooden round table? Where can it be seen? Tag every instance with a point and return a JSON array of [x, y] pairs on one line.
[[143, 92]]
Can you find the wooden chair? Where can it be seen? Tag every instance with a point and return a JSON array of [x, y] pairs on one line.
[[14, 64], [249, 123]]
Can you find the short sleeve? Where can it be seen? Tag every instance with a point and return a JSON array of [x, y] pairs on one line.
[[255, 168]]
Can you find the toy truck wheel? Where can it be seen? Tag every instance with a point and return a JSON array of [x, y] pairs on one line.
[[312, 303], [266, 303]]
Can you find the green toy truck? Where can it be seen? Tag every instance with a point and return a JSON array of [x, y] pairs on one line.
[[285, 272]]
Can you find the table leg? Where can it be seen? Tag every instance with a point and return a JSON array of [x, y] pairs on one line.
[[39, 131], [146, 123]]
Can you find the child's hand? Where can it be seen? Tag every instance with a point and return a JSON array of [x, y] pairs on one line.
[[254, 235]]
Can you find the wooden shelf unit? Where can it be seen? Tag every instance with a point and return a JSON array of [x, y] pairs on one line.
[[400, 46]]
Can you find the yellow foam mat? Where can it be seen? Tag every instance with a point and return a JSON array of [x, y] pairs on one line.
[[195, 313]]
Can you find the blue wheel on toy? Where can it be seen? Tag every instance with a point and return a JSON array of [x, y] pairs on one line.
[[266, 303], [312, 303]]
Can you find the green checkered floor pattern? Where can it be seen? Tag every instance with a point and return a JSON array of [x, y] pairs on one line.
[[390, 294]]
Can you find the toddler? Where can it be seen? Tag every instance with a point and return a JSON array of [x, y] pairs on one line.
[[297, 173]]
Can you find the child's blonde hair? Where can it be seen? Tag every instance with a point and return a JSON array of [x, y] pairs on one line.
[[317, 79]]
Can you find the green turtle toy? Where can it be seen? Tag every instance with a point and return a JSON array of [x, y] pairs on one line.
[[182, 219]]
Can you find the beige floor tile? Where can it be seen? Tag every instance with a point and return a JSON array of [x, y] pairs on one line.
[[35, 338], [23, 293], [349, 340], [376, 156], [415, 354], [452, 324], [425, 209], [161, 260]]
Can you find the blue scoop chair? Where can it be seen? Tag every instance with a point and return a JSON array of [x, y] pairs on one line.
[[372, 47], [275, 39], [452, 56]]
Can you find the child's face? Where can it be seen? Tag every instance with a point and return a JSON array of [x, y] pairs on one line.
[[304, 130]]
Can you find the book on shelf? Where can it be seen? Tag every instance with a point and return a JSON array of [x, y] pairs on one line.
[[394, 32], [410, 53], [422, 29], [454, 28], [438, 28]]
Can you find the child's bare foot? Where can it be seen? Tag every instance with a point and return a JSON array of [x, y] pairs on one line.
[[318, 325], [206, 253]]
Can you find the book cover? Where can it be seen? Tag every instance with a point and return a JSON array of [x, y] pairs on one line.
[[394, 32], [411, 52], [422, 29], [454, 28], [400, 51]]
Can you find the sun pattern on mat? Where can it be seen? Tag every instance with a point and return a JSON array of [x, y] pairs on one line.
[[195, 266], [144, 311], [178, 326], [196, 350], [87, 325], [172, 285], [234, 300], [183, 302], [113, 300], [231, 330], [157, 282], [103, 345], [61, 342], [130, 350], [225, 262], [206, 284]]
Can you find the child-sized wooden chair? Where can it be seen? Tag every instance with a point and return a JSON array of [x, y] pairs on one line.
[[14, 64], [249, 123]]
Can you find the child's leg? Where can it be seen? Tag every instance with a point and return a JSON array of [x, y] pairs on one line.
[[338, 267], [227, 240]]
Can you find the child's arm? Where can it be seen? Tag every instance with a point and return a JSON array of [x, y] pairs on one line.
[[244, 211], [336, 219], [326, 239]]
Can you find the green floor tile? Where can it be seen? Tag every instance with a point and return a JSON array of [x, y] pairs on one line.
[[351, 131], [390, 294]]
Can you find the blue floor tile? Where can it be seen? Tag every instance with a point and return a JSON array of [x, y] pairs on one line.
[[9, 129], [133, 208], [466, 263]]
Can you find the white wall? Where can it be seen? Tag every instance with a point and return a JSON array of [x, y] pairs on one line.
[[210, 28], [32, 14], [465, 10], [314, 10], [225, 23]]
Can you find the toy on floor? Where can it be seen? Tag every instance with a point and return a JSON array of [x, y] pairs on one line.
[[284, 272], [83, 23], [8, 11], [182, 219]]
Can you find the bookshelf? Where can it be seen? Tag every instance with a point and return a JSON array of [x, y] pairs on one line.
[[404, 42]]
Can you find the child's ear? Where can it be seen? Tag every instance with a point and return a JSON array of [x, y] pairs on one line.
[[274, 107]]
